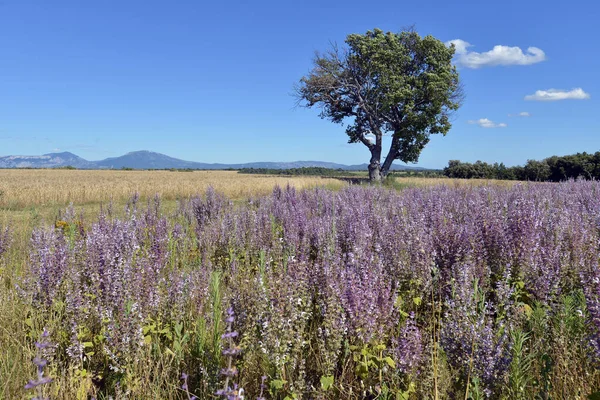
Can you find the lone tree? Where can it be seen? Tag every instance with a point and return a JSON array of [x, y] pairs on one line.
[[397, 84]]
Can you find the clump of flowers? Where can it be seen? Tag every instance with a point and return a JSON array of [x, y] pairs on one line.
[[408, 349], [39, 361], [475, 343]]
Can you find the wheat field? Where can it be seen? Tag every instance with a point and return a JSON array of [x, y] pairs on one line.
[[32, 187]]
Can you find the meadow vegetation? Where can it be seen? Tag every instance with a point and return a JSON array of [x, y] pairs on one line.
[[463, 289]]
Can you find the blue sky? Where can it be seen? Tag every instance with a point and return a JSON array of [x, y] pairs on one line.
[[211, 81]]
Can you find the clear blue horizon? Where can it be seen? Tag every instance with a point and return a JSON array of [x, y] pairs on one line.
[[212, 82]]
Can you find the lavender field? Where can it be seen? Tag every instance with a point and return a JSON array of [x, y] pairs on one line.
[[363, 293]]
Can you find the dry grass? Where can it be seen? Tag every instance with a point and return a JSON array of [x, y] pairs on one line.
[[26, 188], [413, 181]]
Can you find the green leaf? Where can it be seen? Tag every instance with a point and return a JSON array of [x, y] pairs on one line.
[[278, 384], [399, 302], [81, 373], [178, 328], [405, 394], [417, 301], [389, 361], [326, 382], [148, 328]]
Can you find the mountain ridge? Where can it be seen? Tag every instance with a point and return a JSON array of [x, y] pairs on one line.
[[144, 159]]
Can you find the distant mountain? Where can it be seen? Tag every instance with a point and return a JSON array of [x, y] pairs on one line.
[[145, 160], [151, 160], [51, 160]]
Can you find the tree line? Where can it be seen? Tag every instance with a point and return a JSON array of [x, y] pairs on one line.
[[312, 171], [553, 169], [337, 173]]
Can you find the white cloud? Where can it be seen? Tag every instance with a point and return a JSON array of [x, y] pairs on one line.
[[486, 123], [557, 94], [521, 114], [460, 46], [499, 55]]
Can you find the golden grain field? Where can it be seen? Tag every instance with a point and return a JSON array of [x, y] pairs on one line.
[[30, 187]]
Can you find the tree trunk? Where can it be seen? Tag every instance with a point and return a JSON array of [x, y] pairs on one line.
[[389, 159], [375, 165]]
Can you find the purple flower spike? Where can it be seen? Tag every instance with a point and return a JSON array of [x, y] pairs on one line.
[[40, 363], [228, 335], [230, 372], [230, 352]]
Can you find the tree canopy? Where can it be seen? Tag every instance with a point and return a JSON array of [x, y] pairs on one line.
[[397, 84]]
